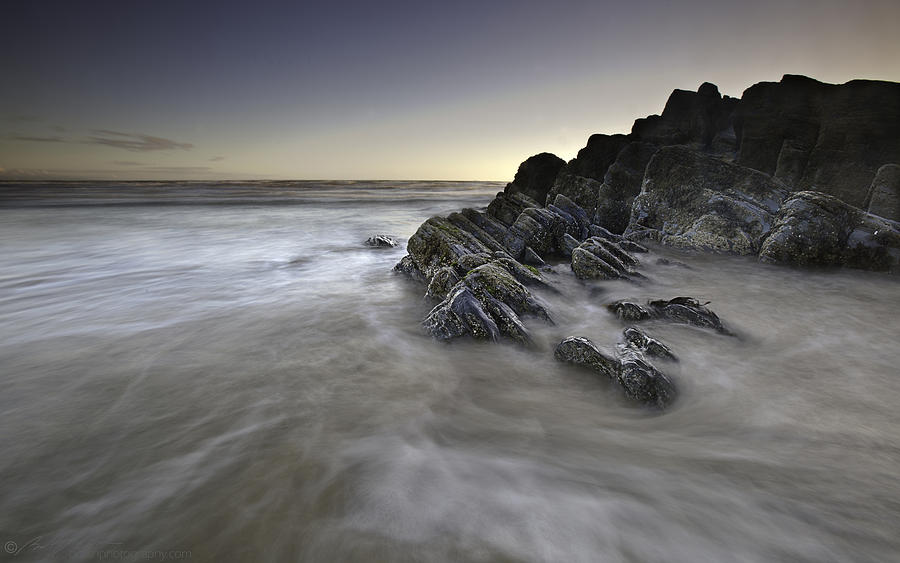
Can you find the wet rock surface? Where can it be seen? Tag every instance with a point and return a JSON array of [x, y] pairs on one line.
[[381, 241], [639, 379], [685, 310]]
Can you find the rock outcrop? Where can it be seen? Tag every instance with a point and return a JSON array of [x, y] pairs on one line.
[[692, 200], [684, 310], [536, 175], [815, 229], [884, 194]]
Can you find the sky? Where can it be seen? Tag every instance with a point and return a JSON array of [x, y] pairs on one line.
[[450, 90]]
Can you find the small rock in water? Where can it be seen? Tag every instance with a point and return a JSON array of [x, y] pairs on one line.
[[640, 340], [685, 310], [381, 241]]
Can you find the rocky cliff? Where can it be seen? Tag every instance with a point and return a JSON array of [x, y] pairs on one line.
[[795, 172]]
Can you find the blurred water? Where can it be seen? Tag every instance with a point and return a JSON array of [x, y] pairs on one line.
[[249, 382]]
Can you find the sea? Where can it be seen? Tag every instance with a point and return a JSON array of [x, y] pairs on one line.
[[226, 372]]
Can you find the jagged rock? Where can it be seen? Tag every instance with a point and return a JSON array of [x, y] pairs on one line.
[[494, 281], [438, 243], [581, 351], [631, 246], [595, 158], [588, 265], [685, 310], [824, 137], [598, 231], [577, 212], [472, 261], [441, 283], [691, 200], [688, 118], [407, 266], [536, 175], [488, 224], [640, 380], [815, 229], [643, 382], [531, 257], [506, 207], [578, 189], [381, 241], [884, 193], [459, 314], [642, 341], [615, 248], [483, 236], [621, 184], [568, 244], [630, 311]]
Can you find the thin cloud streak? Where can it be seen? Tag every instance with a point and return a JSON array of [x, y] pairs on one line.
[[53, 139], [135, 142]]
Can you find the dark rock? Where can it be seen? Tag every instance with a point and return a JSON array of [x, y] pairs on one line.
[[492, 280], [824, 137], [459, 314], [594, 159], [506, 207], [631, 246], [598, 231], [576, 212], [642, 341], [601, 249], [643, 382], [578, 189], [815, 229], [630, 311], [483, 236], [621, 184], [568, 245], [884, 193], [685, 310], [536, 175], [381, 241], [407, 266], [442, 283], [688, 118], [531, 257], [438, 243], [581, 351], [615, 248], [488, 224], [587, 265], [691, 200], [639, 380]]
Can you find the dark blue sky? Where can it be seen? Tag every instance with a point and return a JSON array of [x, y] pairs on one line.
[[454, 90]]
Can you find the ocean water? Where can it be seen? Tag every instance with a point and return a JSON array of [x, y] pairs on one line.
[[226, 373]]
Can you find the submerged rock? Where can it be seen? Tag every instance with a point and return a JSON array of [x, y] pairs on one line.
[[685, 310], [381, 241], [638, 378], [640, 340]]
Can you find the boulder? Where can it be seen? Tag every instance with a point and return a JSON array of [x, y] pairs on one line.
[[506, 207], [442, 283], [816, 229], [407, 266], [640, 340], [884, 193], [584, 192], [438, 243], [535, 176], [621, 184], [381, 241], [638, 378], [692, 200], [685, 310], [588, 265]]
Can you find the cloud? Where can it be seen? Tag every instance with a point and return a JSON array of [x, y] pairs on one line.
[[217, 159], [53, 139], [187, 169], [135, 142], [2, 170], [127, 163]]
